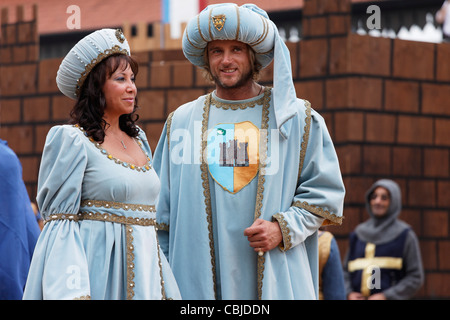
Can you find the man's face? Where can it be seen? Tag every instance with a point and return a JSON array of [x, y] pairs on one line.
[[229, 63], [380, 200]]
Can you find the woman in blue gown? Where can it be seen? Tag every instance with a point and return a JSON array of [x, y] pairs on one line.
[[97, 187]]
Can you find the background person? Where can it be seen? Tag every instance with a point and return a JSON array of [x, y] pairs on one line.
[[387, 244]]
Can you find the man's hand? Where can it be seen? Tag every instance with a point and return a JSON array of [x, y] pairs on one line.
[[264, 235]]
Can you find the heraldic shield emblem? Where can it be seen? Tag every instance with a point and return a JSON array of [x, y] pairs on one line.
[[233, 154]]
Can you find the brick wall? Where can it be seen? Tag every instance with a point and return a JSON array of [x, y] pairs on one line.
[[384, 100]]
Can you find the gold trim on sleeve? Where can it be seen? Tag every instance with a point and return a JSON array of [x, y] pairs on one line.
[[305, 138], [286, 244], [331, 218]]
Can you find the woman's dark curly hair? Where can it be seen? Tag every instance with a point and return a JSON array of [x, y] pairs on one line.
[[90, 107]]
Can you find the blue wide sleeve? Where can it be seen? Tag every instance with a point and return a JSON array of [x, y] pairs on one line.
[[160, 164], [319, 198], [59, 266]]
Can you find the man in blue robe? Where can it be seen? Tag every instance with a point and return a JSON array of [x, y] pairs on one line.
[[248, 173], [19, 229]]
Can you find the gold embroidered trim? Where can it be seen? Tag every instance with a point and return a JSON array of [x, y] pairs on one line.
[[119, 35], [205, 184], [263, 34], [305, 138], [241, 106], [130, 262], [261, 179], [331, 217], [168, 127], [87, 297], [105, 54], [238, 23], [108, 217], [200, 30], [163, 289], [286, 244], [144, 168], [118, 205]]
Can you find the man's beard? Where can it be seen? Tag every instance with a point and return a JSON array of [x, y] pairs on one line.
[[244, 79]]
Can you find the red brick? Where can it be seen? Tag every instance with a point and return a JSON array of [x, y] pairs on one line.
[[380, 127], [369, 55], [313, 57], [350, 158], [435, 223], [443, 193], [413, 217], [421, 193], [36, 109], [40, 136], [437, 285], [47, 75], [18, 79], [61, 107], [182, 74], [337, 93], [9, 111], [415, 130], [151, 104], [413, 59], [429, 253], [339, 55], [339, 24], [442, 133], [160, 74], [176, 98], [436, 163], [30, 168], [359, 187], [19, 54], [361, 93], [20, 138], [311, 91], [407, 161], [401, 96], [314, 26], [444, 257], [435, 99], [443, 62], [142, 77], [348, 127], [377, 160]]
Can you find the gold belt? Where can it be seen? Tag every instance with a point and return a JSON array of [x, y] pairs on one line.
[[109, 217]]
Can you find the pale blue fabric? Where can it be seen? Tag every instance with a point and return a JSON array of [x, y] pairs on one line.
[[288, 274], [251, 25], [75, 259]]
